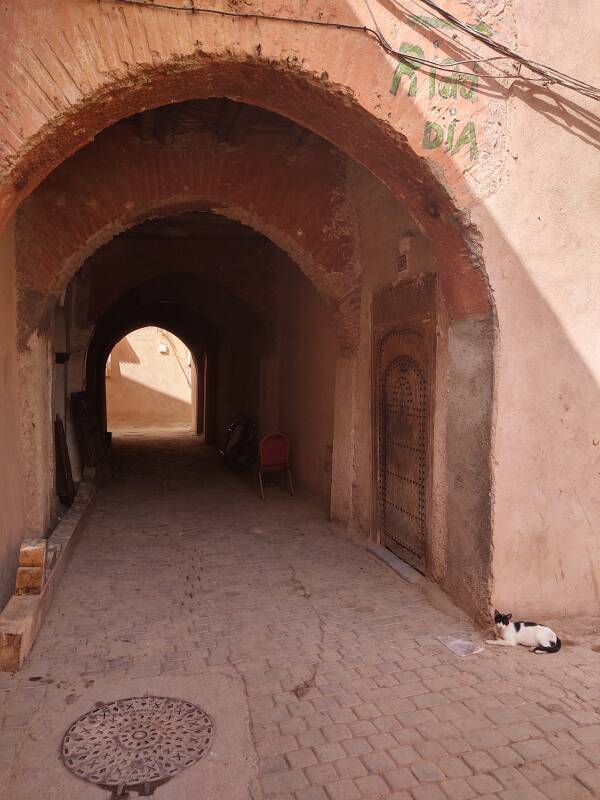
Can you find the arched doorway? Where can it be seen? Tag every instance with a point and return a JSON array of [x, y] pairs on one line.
[[151, 381], [353, 207]]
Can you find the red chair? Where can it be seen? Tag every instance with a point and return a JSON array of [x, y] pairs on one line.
[[273, 456]]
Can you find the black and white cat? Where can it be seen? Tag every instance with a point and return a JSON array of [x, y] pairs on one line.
[[529, 634]]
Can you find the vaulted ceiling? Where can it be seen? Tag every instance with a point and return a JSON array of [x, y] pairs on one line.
[[227, 120]]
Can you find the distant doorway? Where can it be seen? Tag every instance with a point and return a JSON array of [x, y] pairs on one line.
[[151, 382]]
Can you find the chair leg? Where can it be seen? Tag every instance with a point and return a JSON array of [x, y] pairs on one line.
[[260, 483], [291, 483]]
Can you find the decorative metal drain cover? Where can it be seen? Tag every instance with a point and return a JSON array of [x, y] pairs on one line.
[[137, 742]]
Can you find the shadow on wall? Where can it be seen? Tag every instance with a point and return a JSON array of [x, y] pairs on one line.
[[149, 407], [122, 353]]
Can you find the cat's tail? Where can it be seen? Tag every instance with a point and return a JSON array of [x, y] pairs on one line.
[[552, 648]]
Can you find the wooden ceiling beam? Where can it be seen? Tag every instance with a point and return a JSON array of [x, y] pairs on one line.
[[159, 124], [146, 123], [299, 137], [166, 125], [233, 122]]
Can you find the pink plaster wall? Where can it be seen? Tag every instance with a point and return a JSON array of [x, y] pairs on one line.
[[541, 245], [308, 354], [12, 504]]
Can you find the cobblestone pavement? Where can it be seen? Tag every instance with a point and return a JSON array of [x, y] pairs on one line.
[[183, 571]]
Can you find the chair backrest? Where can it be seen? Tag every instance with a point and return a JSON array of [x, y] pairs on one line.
[[274, 450]]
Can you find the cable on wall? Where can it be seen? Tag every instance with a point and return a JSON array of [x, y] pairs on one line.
[[543, 74], [547, 73]]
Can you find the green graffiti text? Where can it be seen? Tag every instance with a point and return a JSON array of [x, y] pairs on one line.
[[449, 83], [434, 136]]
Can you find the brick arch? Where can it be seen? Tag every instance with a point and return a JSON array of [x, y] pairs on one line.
[[77, 210], [116, 61], [129, 60], [174, 320]]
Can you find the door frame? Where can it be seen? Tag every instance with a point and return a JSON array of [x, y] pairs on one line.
[[410, 306]]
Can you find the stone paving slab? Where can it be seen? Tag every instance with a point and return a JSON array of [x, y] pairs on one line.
[[183, 575]]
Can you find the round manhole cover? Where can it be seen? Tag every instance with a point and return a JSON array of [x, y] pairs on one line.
[[141, 740]]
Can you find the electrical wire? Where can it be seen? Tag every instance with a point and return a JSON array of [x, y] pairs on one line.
[[546, 75], [446, 66]]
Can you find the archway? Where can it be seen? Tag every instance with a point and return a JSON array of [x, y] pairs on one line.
[[426, 231], [151, 380], [130, 68], [239, 318], [140, 308]]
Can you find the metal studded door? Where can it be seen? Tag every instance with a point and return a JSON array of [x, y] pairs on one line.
[[404, 359]]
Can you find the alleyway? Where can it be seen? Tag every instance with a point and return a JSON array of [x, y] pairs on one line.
[[318, 665]]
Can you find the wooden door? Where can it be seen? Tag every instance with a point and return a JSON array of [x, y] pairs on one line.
[[404, 361]]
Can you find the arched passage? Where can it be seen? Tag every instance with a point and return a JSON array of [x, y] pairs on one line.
[[125, 317], [327, 234], [296, 198], [127, 74], [240, 315], [168, 304]]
